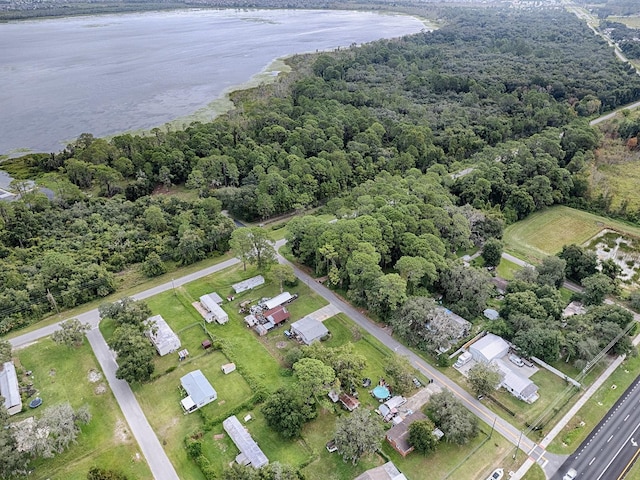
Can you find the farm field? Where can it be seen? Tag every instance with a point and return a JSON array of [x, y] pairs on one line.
[[545, 232], [632, 21], [61, 374]]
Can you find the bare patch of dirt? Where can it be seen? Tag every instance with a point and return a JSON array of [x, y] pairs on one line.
[[100, 389], [94, 376], [52, 372], [121, 432], [281, 345], [218, 436], [164, 431]]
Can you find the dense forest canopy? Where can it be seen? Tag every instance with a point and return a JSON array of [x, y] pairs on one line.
[[498, 90]]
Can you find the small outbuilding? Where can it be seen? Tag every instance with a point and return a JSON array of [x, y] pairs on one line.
[[161, 335], [10, 389], [228, 368], [489, 348], [491, 314], [349, 402], [309, 330], [199, 391], [214, 311], [250, 452], [276, 301], [248, 284]]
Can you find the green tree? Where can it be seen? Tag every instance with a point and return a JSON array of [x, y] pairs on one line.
[[485, 378], [126, 311], [596, 288], [363, 269], [389, 292], [357, 434], [281, 273], [580, 263], [492, 252], [153, 265], [135, 354], [458, 424], [399, 374], [286, 412], [97, 473], [190, 248], [13, 462], [421, 436], [466, 290], [314, 377], [414, 269], [5, 351], [252, 245], [62, 423], [71, 333], [551, 271]]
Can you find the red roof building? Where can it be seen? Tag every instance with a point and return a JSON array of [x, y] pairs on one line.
[[277, 315]]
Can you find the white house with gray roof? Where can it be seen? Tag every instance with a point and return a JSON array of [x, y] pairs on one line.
[[309, 330], [10, 389], [250, 452], [199, 391]]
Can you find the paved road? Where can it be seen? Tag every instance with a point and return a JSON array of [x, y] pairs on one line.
[[157, 459], [158, 462], [511, 433], [613, 446]]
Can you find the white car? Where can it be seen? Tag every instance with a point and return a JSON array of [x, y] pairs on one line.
[[570, 475], [497, 474]]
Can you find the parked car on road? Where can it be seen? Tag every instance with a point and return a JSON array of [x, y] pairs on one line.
[[570, 475]]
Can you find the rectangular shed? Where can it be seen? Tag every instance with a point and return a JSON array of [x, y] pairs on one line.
[[248, 284], [161, 335], [276, 301]]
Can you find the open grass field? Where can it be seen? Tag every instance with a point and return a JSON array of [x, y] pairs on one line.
[[596, 408], [61, 374], [545, 232], [632, 21]]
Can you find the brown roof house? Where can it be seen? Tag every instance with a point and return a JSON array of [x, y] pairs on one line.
[[398, 435]]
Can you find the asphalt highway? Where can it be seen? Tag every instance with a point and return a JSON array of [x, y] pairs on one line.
[[613, 446]]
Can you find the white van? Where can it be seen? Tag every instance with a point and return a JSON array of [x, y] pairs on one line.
[[516, 360], [463, 360]]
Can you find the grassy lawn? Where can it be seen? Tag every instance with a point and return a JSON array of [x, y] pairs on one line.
[[507, 269], [60, 375], [476, 460], [632, 21], [535, 473], [544, 233], [596, 408]]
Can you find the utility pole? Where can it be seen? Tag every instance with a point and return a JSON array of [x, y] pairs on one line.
[[53, 302], [518, 446], [493, 426]]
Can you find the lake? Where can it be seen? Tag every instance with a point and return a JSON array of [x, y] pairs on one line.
[[114, 73]]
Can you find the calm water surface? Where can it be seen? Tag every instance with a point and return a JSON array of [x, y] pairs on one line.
[[110, 74]]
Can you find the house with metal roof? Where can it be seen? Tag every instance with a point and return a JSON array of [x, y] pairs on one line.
[[489, 348], [248, 284], [276, 301], [199, 391], [277, 315], [517, 385], [214, 311], [250, 453], [491, 314], [9, 388], [161, 335], [309, 330]]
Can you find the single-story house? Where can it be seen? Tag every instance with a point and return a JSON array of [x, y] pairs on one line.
[[276, 301], [463, 326], [491, 314], [277, 315], [309, 330], [398, 435], [199, 391], [488, 348], [517, 385], [161, 335], [9, 388], [388, 471], [248, 284], [215, 311], [574, 308], [216, 298], [250, 453], [349, 402]]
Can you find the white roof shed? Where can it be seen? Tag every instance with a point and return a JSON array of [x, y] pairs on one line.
[[161, 335], [215, 310], [488, 348], [248, 284]]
